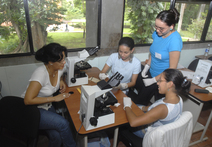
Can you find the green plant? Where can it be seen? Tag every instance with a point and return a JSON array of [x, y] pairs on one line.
[[142, 16]]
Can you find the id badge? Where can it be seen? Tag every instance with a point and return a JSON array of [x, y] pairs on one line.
[[157, 55]]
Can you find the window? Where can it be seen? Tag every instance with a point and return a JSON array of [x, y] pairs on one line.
[[191, 23], [61, 21], [139, 19], [209, 33], [13, 30]]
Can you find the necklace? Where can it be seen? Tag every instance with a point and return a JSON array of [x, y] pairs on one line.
[[53, 75]]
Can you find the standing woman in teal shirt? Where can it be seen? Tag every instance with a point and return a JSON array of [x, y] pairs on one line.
[[164, 53]]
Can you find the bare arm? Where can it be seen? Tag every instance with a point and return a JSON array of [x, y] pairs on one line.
[[133, 80], [32, 92], [159, 112], [105, 69], [145, 108], [174, 59], [62, 85], [149, 60]]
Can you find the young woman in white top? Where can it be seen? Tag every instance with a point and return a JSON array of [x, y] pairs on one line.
[[44, 82], [123, 62], [166, 110]]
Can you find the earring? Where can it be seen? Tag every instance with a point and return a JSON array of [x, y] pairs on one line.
[[168, 89], [170, 29], [51, 64], [131, 56]]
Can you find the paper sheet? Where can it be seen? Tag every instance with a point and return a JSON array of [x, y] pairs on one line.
[[188, 74], [95, 80]]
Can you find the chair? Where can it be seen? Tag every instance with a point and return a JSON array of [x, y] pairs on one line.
[[20, 119], [210, 58], [175, 134], [193, 65]]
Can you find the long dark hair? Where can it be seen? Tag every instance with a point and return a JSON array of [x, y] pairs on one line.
[[182, 85], [52, 52]]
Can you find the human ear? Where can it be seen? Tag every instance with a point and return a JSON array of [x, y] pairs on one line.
[[170, 84], [50, 63], [132, 50]]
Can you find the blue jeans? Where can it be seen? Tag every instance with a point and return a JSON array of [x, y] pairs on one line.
[[103, 142], [139, 133], [57, 128]]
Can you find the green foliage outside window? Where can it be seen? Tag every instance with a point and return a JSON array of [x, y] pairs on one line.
[[141, 15]]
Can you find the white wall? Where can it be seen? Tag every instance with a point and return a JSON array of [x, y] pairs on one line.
[[15, 78]]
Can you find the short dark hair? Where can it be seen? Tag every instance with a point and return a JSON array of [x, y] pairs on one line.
[[127, 41], [52, 52], [182, 85], [170, 17]]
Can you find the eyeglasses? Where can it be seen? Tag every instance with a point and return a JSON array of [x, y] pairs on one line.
[[159, 81], [159, 28]]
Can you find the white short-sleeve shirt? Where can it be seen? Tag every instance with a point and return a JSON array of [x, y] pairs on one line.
[[127, 69], [41, 75]]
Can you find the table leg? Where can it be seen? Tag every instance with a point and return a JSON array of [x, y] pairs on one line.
[[204, 131], [85, 140], [115, 137]]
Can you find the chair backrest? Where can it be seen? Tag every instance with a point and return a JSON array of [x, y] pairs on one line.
[[16, 116], [193, 65], [210, 58], [176, 134]]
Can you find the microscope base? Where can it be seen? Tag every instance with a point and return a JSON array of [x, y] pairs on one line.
[[79, 81], [103, 121]]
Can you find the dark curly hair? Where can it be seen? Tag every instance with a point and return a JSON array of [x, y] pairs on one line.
[[52, 52]]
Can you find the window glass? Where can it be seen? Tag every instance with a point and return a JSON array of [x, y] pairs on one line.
[[192, 20], [61, 21], [13, 32], [139, 19], [209, 33]]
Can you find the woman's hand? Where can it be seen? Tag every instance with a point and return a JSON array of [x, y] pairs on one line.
[[127, 102], [145, 70], [149, 81], [62, 86], [122, 86], [103, 76], [61, 97]]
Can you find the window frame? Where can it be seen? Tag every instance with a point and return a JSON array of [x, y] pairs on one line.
[[29, 32], [172, 4]]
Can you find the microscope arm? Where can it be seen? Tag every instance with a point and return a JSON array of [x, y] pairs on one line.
[[92, 51]]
